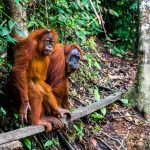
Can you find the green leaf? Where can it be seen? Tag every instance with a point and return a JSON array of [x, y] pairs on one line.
[[48, 143], [90, 90], [80, 34], [10, 39], [113, 51], [112, 12], [96, 94], [124, 101], [97, 65], [17, 1], [2, 111], [30, 24], [55, 142], [5, 31], [103, 111], [76, 127], [119, 55], [75, 6], [27, 143], [11, 24], [134, 5], [41, 23], [97, 128], [96, 115], [79, 131], [16, 115], [90, 62]]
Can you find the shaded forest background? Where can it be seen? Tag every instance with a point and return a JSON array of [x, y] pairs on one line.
[[76, 22]]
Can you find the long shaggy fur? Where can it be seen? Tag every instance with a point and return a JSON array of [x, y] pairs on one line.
[[27, 80], [57, 76]]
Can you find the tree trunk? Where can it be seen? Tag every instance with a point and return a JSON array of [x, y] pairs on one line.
[[18, 13], [143, 88]]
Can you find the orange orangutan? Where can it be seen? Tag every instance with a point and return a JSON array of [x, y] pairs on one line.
[[27, 80], [64, 61]]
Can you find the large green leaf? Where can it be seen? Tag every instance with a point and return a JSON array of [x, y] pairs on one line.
[[27, 143], [48, 143], [96, 115]]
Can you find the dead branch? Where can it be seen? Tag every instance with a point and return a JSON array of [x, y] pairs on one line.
[[108, 146], [123, 140], [64, 141], [101, 22], [115, 139], [78, 113]]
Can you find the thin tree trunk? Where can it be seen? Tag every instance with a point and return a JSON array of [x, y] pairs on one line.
[[18, 14]]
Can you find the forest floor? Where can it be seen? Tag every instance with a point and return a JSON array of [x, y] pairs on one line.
[[116, 127], [122, 127]]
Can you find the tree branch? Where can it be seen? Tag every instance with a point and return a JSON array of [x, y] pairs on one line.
[[101, 22]]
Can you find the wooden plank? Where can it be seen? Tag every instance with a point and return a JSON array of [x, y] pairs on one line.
[[11, 146], [20, 133], [83, 111], [78, 113]]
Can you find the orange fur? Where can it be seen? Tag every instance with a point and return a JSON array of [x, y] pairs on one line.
[[28, 76], [57, 76]]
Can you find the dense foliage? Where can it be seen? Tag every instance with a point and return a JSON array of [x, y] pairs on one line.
[[77, 22], [6, 26], [121, 19]]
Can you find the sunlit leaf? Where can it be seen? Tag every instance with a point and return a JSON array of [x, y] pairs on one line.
[[2, 111], [5, 31], [124, 101], [17, 1], [48, 143], [96, 115], [97, 65], [103, 111], [16, 115], [96, 94]]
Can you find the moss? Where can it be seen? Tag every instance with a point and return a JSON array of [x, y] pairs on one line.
[[131, 95]]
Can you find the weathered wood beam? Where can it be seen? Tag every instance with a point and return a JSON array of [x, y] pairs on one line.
[[83, 111], [11, 145], [78, 113]]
